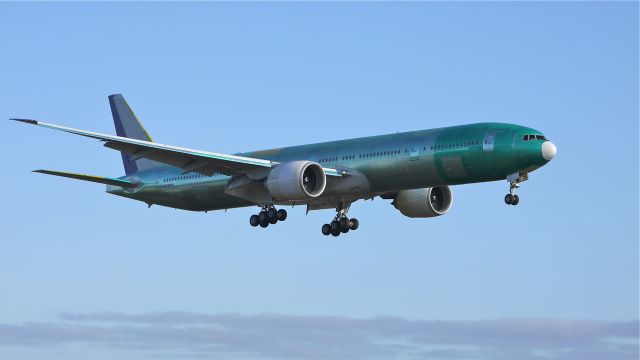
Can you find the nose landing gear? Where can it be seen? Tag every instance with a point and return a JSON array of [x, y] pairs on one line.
[[268, 215], [341, 224], [514, 182], [511, 198]]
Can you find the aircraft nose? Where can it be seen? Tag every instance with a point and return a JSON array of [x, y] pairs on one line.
[[549, 150]]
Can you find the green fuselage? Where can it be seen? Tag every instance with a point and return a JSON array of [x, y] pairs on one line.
[[388, 163]]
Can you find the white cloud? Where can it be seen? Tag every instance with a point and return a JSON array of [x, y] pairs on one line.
[[273, 336]]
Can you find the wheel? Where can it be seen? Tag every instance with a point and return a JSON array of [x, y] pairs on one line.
[[262, 216], [344, 223], [272, 215], [344, 230], [335, 232], [335, 225], [254, 220], [353, 224], [516, 200], [264, 223], [282, 215], [508, 199], [326, 229]]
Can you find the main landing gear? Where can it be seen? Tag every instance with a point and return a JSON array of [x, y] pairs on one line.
[[341, 224], [268, 215]]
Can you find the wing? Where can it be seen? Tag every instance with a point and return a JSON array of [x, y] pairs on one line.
[[189, 160]]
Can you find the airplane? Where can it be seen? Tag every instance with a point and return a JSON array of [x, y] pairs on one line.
[[413, 169]]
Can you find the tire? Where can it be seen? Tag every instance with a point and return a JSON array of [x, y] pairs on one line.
[[262, 216], [508, 199], [254, 220], [326, 229], [264, 224], [335, 232], [272, 215], [282, 215], [344, 230], [516, 200], [353, 224], [344, 223], [335, 225]]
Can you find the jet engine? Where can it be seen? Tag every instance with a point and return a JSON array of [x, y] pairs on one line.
[[296, 180], [423, 203]]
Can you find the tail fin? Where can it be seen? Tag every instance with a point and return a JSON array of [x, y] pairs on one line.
[[128, 125]]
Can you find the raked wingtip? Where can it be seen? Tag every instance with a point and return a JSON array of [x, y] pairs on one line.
[[28, 121]]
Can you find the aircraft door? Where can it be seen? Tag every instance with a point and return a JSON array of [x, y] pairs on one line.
[[489, 140], [415, 152]]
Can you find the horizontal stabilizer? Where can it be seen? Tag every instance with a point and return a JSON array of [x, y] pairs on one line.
[[92, 178]]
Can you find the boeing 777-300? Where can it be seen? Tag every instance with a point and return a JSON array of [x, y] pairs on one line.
[[415, 169]]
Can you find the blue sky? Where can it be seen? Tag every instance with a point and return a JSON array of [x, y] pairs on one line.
[[232, 77]]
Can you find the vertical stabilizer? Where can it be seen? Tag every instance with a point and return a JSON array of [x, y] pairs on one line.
[[128, 125]]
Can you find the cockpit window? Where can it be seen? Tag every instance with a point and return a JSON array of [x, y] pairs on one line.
[[533, 137]]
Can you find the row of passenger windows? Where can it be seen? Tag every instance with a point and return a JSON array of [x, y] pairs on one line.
[[454, 145], [362, 156], [397, 151], [186, 177], [381, 153], [533, 137]]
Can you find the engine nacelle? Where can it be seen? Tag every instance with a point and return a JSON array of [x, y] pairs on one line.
[[296, 180], [422, 203]]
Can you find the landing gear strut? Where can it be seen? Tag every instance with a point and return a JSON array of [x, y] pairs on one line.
[[268, 215], [341, 224]]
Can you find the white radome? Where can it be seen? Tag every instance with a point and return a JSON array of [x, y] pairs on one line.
[[549, 150]]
